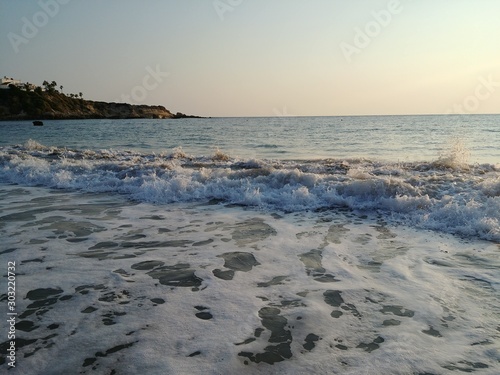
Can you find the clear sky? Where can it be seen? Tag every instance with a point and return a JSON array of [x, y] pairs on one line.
[[262, 57]]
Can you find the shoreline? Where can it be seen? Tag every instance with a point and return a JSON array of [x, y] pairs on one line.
[[21, 105], [335, 284], [30, 118]]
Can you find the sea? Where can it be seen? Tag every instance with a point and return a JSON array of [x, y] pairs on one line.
[[281, 245]]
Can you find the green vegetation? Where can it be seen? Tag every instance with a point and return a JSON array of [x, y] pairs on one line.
[[46, 102], [28, 103], [37, 103]]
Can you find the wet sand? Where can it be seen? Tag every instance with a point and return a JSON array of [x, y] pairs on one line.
[[106, 285]]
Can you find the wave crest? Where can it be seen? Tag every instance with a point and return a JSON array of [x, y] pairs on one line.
[[433, 195]]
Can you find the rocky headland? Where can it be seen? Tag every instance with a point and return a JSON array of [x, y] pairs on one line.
[[23, 104]]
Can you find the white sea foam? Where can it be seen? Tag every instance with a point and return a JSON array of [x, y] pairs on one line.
[[445, 195], [343, 293], [194, 260]]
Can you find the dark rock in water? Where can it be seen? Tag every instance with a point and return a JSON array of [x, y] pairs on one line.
[[370, 347], [158, 301], [310, 341], [391, 322], [276, 324], [84, 289], [8, 251], [115, 349], [183, 115], [178, 275], [466, 366], [258, 332], [37, 123], [239, 261], [108, 319], [204, 315], [147, 265], [21, 343], [398, 311], [333, 298], [326, 278], [152, 217], [203, 243], [40, 294], [224, 275], [432, 332], [26, 326], [89, 361], [350, 307], [274, 354], [247, 341], [89, 310], [271, 355], [154, 244], [336, 314], [277, 280], [43, 301]]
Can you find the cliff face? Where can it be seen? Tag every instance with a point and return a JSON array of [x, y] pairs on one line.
[[122, 110], [17, 104]]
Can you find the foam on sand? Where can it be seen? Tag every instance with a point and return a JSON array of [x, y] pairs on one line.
[[106, 283]]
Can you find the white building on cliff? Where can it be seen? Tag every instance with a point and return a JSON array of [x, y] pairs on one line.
[[5, 82]]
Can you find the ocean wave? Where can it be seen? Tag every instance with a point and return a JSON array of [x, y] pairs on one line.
[[445, 195]]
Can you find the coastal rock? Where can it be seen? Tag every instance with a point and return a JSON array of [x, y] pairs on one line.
[[17, 104]]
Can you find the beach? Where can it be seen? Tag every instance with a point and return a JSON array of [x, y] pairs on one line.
[[171, 261]]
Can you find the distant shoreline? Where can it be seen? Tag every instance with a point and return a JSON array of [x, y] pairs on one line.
[[17, 104], [20, 118]]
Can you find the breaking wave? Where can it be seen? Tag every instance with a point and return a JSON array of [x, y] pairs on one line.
[[446, 195]]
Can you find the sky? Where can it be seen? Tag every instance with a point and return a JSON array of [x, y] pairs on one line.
[[262, 57]]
